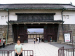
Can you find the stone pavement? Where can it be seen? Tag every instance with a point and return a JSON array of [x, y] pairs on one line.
[[41, 49], [61, 45]]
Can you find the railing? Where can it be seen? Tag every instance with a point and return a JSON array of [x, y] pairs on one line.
[[66, 52], [12, 53], [61, 51], [4, 53], [69, 52]]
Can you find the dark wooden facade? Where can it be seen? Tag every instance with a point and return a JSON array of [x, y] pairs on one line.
[[35, 17], [50, 30], [20, 30]]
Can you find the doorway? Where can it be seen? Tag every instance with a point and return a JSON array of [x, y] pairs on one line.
[[35, 33], [22, 31]]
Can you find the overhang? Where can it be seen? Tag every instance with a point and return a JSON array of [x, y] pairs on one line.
[[48, 22]]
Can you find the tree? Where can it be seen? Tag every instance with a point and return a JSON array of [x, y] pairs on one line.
[[28, 32], [34, 32]]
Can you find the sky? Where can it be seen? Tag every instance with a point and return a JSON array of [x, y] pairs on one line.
[[36, 1], [35, 30]]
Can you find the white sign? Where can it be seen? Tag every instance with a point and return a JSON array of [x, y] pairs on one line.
[[67, 37]]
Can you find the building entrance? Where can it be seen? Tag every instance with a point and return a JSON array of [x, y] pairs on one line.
[[50, 30], [35, 33]]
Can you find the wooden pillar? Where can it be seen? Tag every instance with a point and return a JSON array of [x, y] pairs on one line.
[[25, 34], [36, 37], [13, 34], [45, 34], [17, 32], [39, 35], [30, 35]]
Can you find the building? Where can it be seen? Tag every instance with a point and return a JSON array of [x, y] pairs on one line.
[[32, 35], [53, 18]]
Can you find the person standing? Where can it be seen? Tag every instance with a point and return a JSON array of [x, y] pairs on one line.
[[38, 40], [50, 39], [18, 49], [0, 41], [3, 43]]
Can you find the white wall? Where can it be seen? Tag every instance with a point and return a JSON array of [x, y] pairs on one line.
[[71, 19], [3, 21], [57, 16]]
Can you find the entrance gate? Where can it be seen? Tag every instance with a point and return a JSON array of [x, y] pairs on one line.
[[50, 30], [35, 20]]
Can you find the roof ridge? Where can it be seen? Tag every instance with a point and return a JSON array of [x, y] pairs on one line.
[[37, 4]]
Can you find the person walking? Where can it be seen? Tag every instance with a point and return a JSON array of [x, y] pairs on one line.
[[34, 40], [18, 49]]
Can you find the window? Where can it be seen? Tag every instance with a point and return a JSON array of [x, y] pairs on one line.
[[6, 17], [65, 16], [2, 17]]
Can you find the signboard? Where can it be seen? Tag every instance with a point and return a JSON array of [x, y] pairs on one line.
[[67, 37]]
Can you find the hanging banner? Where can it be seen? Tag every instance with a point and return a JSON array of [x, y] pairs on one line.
[[67, 37]]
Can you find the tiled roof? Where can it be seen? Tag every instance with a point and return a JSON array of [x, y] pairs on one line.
[[36, 6]]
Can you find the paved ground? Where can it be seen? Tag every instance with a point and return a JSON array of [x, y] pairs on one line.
[[41, 49], [9, 47], [60, 45]]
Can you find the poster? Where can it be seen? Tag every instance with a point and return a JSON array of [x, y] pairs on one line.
[[67, 37]]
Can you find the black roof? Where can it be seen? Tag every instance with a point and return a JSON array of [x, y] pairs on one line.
[[36, 6]]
